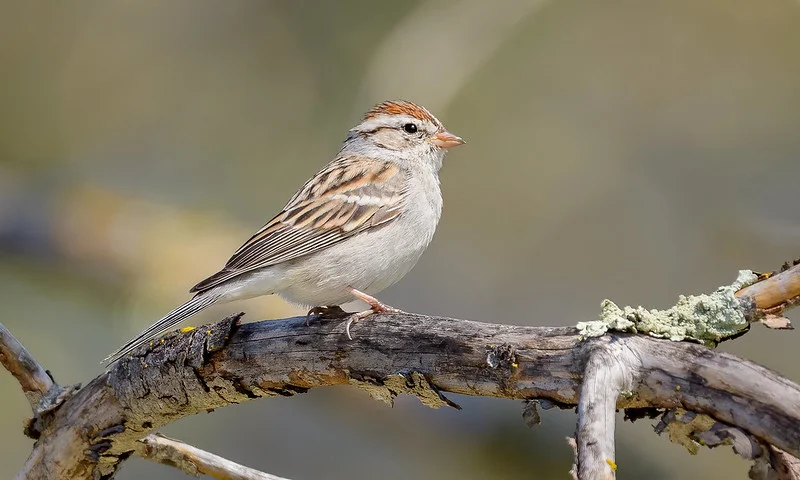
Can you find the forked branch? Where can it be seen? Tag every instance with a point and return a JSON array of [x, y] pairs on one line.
[[217, 365]]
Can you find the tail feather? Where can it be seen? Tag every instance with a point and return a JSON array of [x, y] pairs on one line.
[[168, 321]]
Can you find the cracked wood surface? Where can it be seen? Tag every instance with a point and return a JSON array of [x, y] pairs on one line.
[[100, 425]]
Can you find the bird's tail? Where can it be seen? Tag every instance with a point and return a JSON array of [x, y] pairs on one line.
[[169, 320]]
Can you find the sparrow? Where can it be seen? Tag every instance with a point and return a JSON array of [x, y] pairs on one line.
[[355, 228]]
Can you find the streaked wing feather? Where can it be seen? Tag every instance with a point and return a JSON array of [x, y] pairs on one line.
[[349, 196]]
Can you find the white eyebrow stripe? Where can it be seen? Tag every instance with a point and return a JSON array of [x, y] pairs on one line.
[[359, 199]]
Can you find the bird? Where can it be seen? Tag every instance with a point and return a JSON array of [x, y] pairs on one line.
[[352, 230]]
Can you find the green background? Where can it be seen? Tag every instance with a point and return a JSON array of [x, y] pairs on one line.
[[631, 150]]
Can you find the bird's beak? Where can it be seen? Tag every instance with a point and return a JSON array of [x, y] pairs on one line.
[[445, 139]]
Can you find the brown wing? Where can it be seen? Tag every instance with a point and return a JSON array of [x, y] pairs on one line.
[[349, 196]]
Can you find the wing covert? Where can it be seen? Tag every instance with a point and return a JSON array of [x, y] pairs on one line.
[[349, 196]]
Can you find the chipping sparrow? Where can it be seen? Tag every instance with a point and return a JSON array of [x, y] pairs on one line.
[[355, 228]]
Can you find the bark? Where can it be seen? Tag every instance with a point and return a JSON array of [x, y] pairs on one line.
[[193, 461], [88, 432]]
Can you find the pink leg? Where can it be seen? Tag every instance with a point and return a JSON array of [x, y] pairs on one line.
[[375, 307], [374, 303]]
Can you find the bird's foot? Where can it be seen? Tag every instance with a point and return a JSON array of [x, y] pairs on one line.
[[354, 318], [375, 305], [332, 311]]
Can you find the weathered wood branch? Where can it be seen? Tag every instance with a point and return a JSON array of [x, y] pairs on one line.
[[33, 379], [194, 461], [777, 291], [94, 429], [45, 397], [186, 376], [609, 372]]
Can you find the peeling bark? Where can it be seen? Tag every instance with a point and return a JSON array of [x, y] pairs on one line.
[[710, 398], [224, 364]]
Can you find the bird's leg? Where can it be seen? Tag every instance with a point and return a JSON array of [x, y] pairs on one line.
[[375, 307], [325, 311]]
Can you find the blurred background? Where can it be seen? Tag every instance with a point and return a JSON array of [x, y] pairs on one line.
[[620, 149]]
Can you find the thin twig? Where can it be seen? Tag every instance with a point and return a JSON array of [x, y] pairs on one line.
[[31, 376], [194, 461], [776, 292]]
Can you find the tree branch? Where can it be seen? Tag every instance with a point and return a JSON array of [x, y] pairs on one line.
[[45, 396], [786, 466], [193, 461], [33, 379], [185, 375], [609, 372], [213, 366], [776, 290]]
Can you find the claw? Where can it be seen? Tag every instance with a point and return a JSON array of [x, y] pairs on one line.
[[313, 311], [333, 311], [350, 320], [354, 318], [375, 307]]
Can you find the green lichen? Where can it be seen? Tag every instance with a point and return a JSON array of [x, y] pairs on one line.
[[708, 319]]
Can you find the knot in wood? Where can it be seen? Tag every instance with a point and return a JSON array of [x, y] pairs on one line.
[[501, 356]]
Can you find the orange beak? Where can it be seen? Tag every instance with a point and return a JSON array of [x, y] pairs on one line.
[[445, 139]]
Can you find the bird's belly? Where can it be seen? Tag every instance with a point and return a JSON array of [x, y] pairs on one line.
[[369, 262]]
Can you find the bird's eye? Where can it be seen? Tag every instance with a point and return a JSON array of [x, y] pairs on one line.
[[410, 128]]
